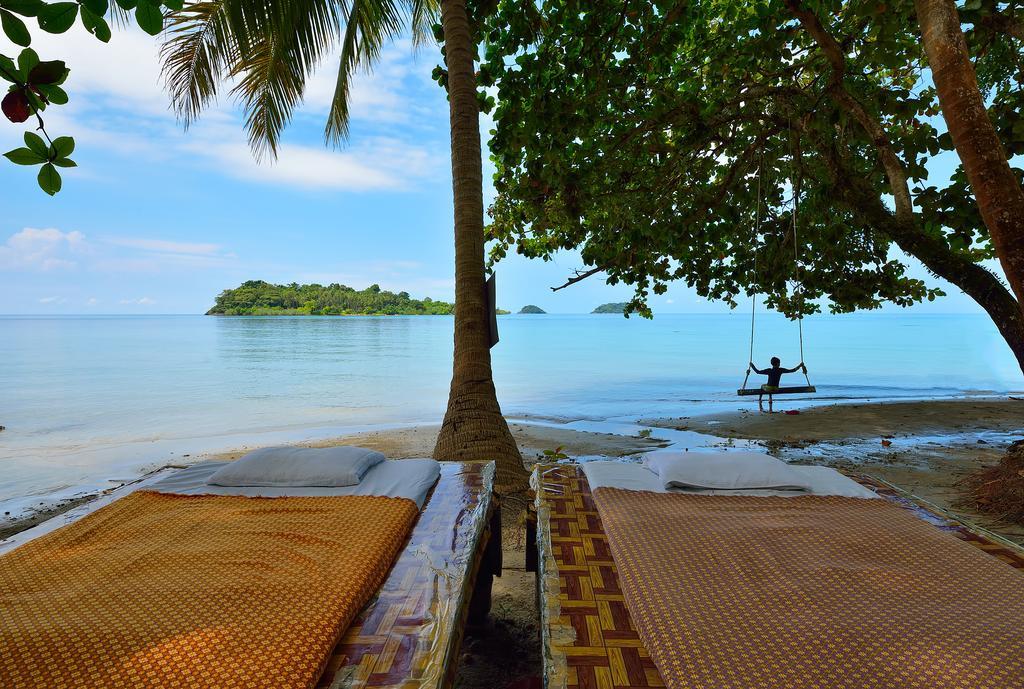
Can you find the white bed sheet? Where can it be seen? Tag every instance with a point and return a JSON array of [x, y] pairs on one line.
[[823, 481], [397, 478]]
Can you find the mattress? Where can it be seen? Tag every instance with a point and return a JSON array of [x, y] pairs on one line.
[[631, 476], [393, 478]]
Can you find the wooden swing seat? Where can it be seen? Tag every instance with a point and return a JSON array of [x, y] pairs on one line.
[[768, 390]]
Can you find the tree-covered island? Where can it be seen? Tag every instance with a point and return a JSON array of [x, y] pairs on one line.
[[259, 298], [619, 307]]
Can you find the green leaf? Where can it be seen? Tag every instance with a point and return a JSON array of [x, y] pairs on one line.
[[54, 94], [24, 156], [62, 147], [8, 70], [34, 100], [49, 179], [27, 59], [58, 17], [23, 7], [149, 17], [174, 5], [95, 24], [127, 5], [65, 162], [97, 7], [36, 143], [26, 8], [49, 72], [15, 28]]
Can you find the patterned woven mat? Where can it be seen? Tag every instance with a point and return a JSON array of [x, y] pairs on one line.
[[216, 591], [409, 636], [589, 638]]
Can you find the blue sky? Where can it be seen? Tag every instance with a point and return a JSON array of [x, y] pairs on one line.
[[159, 220]]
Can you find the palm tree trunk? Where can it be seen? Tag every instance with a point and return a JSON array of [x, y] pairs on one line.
[[473, 426], [995, 186]]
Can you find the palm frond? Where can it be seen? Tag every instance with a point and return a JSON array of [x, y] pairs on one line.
[[293, 36], [197, 54], [272, 48], [270, 85], [119, 16], [425, 13], [370, 24]]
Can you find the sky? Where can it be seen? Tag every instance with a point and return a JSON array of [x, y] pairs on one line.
[[157, 219]]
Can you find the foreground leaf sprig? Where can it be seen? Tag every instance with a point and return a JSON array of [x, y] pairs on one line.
[[34, 84]]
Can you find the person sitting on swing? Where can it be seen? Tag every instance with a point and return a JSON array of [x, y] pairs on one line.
[[774, 379]]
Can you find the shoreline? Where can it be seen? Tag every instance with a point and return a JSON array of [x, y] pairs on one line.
[[395, 441], [923, 446]]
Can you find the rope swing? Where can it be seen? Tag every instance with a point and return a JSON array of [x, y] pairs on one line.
[[764, 389]]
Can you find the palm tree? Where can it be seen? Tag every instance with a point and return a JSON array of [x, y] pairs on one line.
[[270, 49]]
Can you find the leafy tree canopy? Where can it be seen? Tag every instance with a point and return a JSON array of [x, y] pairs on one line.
[[35, 84], [259, 298], [644, 133]]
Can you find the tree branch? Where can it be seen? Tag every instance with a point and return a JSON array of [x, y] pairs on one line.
[[1004, 24], [834, 54], [579, 277], [39, 118]]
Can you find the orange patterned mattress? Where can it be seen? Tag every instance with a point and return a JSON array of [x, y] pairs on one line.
[[751, 596], [199, 591], [157, 590]]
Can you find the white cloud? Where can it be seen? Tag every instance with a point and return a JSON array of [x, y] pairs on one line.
[[92, 301], [142, 301], [125, 71], [164, 246], [118, 106], [304, 167], [41, 249], [377, 96], [52, 300], [51, 249]]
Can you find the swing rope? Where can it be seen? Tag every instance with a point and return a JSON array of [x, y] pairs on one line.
[[796, 260], [757, 235], [795, 181]]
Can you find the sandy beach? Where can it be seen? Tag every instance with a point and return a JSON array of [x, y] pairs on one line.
[[861, 421], [924, 447], [533, 440]]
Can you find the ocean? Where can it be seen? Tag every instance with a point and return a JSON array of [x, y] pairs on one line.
[[86, 400]]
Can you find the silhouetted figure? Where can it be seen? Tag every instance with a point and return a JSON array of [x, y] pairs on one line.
[[774, 379]]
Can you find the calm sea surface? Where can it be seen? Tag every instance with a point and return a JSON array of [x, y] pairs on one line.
[[89, 399]]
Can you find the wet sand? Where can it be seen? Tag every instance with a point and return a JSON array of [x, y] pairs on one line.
[[418, 441], [923, 447], [848, 422]]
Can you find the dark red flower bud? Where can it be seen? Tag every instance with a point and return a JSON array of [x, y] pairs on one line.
[[15, 106]]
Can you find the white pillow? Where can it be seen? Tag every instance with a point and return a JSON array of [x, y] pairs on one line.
[[298, 466], [723, 470]]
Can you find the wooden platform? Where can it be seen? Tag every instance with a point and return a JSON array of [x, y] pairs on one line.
[[409, 636], [588, 637]]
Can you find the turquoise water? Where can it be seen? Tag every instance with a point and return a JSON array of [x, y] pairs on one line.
[[87, 399]]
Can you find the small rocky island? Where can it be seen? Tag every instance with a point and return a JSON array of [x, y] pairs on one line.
[[530, 308], [618, 307]]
